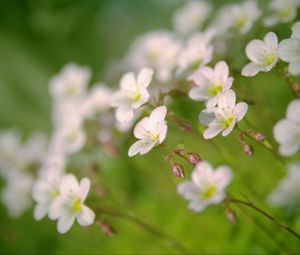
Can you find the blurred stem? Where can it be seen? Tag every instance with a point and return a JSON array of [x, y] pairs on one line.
[[264, 213], [157, 232], [294, 86]]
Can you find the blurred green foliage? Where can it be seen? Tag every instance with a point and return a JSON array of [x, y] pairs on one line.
[[36, 39]]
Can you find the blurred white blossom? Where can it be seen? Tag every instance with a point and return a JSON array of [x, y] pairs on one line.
[[224, 117], [281, 11], [69, 205], [287, 131], [206, 187], [150, 131], [262, 54], [289, 50]]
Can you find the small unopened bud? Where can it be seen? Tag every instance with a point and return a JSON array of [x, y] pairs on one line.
[[259, 136], [178, 170], [248, 149], [230, 215], [106, 228], [193, 158]]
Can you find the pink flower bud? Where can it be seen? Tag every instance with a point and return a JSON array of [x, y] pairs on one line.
[[248, 149], [193, 158], [230, 215], [259, 136], [178, 170]]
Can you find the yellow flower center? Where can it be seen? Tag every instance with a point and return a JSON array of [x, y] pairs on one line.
[[228, 122], [269, 59], [241, 22], [77, 205], [209, 192], [215, 90]]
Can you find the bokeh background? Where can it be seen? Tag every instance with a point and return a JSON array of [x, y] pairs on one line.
[[37, 38]]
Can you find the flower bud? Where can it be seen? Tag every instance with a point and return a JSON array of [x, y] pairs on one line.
[[106, 228], [248, 149], [193, 158], [259, 136], [230, 215], [178, 170]]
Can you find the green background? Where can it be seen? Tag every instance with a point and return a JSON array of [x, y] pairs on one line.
[[37, 38]]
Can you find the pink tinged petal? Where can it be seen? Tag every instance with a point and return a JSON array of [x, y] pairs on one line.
[[40, 210], [288, 50], [162, 130], [255, 51], [206, 117], [221, 71], [211, 132], [199, 94], [228, 130], [228, 84], [128, 82], [227, 100], [250, 70], [271, 40], [136, 148], [202, 173], [158, 115], [69, 185], [294, 67], [240, 110], [293, 111], [65, 222], [56, 208], [188, 190], [145, 77], [288, 149], [141, 129], [296, 30], [84, 185], [222, 176], [124, 113], [86, 217]]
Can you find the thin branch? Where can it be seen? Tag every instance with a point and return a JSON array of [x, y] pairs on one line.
[[264, 213], [157, 232]]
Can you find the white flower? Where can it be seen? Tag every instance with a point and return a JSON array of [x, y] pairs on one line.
[[207, 186], [238, 16], [133, 93], [16, 194], [45, 190], [97, 101], [287, 193], [158, 50], [263, 55], [287, 131], [150, 131], [224, 117], [289, 50], [197, 53], [69, 205], [70, 84], [191, 16], [281, 11], [210, 83]]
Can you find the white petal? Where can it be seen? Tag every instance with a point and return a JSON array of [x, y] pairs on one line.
[[162, 130], [206, 117], [85, 185], [202, 173], [221, 71], [128, 82], [288, 50], [285, 131], [288, 149], [56, 208], [148, 147], [124, 113], [136, 148], [158, 114], [240, 110], [86, 217], [188, 190], [294, 67], [40, 210], [271, 40], [296, 30], [141, 129], [228, 130], [211, 132], [250, 70], [293, 111], [69, 185], [65, 222], [255, 51], [227, 99], [145, 77], [199, 94], [197, 206], [222, 176]]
